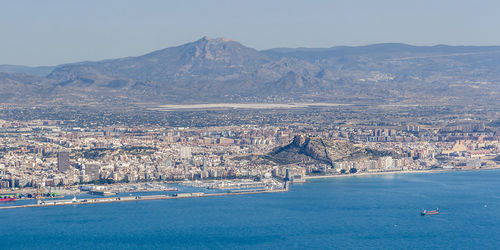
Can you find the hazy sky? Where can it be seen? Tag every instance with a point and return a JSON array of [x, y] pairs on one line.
[[51, 32]]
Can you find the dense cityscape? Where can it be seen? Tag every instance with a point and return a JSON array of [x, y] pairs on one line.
[[65, 154]]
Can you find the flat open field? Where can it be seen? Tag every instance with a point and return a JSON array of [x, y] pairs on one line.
[[209, 106]]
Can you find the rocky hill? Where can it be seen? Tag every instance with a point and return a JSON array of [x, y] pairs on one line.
[[305, 149]]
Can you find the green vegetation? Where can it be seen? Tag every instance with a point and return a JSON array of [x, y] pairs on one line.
[[95, 153], [138, 150]]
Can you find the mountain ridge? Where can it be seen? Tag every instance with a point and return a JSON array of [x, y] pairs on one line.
[[223, 70]]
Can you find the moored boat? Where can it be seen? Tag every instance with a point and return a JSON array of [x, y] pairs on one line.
[[429, 212], [4, 199]]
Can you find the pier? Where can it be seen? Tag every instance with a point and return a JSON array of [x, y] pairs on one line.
[[133, 198]]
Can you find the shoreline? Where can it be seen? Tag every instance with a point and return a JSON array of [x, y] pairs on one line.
[[199, 195], [423, 171]]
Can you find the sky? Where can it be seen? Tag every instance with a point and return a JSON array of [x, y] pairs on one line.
[[52, 32]]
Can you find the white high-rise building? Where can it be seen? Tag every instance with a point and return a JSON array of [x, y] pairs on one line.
[[386, 162], [185, 153]]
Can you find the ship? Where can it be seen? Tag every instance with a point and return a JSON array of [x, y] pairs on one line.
[[102, 193], [429, 212], [5, 199]]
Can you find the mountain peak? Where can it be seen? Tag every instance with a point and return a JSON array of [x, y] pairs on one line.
[[223, 50], [216, 40]]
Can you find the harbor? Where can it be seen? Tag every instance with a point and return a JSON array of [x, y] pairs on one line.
[[122, 192], [75, 201]]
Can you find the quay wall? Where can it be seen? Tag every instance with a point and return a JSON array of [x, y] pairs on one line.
[[133, 198]]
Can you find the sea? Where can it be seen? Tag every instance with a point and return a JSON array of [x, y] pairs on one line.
[[356, 212]]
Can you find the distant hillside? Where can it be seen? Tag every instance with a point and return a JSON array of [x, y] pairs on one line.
[[37, 71], [16, 87], [222, 70], [321, 150]]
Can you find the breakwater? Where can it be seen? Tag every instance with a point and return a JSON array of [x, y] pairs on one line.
[[132, 198]]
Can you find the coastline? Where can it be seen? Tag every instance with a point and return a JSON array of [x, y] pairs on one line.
[[199, 195], [364, 174]]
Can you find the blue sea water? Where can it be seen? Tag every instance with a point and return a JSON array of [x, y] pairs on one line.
[[374, 212]]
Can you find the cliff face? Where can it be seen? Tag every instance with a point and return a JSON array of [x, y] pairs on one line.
[[305, 149], [313, 147]]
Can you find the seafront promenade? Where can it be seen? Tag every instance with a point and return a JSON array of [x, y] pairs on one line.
[[375, 173], [133, 198], [427, 171]]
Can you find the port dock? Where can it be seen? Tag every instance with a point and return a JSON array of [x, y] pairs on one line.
[[75, 201]]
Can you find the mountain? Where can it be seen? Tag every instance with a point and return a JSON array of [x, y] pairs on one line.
[[322, 150], [204, 58], [222, 70], [383, 50], [204, 70], [15, 86]]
